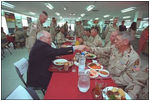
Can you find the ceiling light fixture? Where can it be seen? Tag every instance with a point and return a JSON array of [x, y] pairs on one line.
[[61, 17], [125, 17], [57, 13], [111, 19], [128, 9], [91, 20], [127, 20], [96, 18], [105, 16], [32, 13], [72, 13], [65, 8], [82, 14], [145, 18], [90, 7], [79, 17], [7, 4], [49, 6]]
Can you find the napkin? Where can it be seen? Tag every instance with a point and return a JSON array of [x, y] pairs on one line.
[[76, 63], [94, 61]]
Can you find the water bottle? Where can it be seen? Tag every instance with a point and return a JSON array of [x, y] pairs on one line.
[[84, 82], [82, 60]]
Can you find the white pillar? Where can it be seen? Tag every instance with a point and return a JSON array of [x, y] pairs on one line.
[[138, 17]]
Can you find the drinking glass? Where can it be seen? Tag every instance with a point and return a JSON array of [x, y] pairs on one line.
[[73, 66], [84, 82], [98, 86]]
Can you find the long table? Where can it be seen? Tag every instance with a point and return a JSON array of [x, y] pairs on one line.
[[63, 85]]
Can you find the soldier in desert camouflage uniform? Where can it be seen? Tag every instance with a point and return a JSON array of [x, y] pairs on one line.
[[124, 62], [53, 29], [111, 28], [104, 58], [33, 29], [88, 37], [80, 30], [97, 41], [139, 88], [60, 38], [75, 29]]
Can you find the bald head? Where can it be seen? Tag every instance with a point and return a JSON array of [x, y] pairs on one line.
[[44, 36]]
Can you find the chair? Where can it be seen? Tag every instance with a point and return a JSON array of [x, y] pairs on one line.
[[21, 67], [4, 45], [21, 93], [20, 40]]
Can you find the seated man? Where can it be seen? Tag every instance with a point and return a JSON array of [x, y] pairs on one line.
[[97, 41], [104, 58], [88, 37], [60, 38], [40, 59], [139, 87], [124, 62]]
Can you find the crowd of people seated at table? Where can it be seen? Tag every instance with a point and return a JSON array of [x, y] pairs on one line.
[[117, 54]]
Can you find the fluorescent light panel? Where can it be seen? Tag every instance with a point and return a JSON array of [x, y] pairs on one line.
[[82, 14], [32, 13], [111, 19], [49, 6], [127, 20], [90, 7], [57, 13], [96, 18], [7, 4], [105, 16], [79, 17], [128, 9], [125, 17], [65, 8]]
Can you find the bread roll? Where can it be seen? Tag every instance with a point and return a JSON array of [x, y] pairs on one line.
[[114, 89], [121, 92]]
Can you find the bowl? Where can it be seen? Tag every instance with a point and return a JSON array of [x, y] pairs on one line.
[[103, 73]]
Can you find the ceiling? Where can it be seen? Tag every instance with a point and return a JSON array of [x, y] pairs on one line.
[[78, 7]]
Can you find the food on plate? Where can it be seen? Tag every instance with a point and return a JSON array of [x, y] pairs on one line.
[[93, 72], [59, 63], [90, 55], [121, 92], [95, 66], [114, 89], [116, 94], [104, 72], [64, 46]]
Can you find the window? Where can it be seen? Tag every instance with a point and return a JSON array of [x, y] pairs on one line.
[[24, 22], [4, 25]]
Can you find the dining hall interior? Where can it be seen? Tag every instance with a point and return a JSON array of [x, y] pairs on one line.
[[18, 16]]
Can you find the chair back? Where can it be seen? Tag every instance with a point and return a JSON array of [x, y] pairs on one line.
[[21, 68], [21, 93]]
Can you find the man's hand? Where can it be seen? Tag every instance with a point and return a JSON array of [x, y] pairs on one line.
[[85, 48], [82, 48]]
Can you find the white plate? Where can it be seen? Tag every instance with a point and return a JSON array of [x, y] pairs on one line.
[[96, 64], [61, 62], [110, 88], [94, 76], [88, 57]]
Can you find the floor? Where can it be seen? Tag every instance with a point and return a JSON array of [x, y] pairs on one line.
[[9, 77]]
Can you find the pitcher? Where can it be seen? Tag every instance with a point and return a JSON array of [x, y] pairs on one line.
[[84, 82]]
